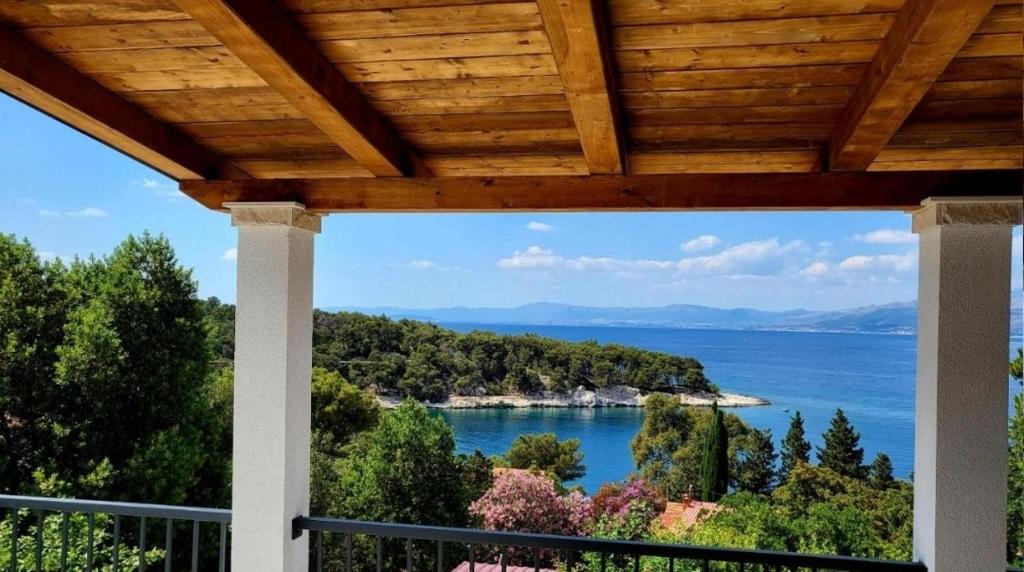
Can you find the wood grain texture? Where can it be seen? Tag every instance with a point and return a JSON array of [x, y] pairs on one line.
[[762, 191], [640, 12], [576, 32], [924, 38], [959, 158], [845, 28], [459, 19], [263, 36], [40, 80]]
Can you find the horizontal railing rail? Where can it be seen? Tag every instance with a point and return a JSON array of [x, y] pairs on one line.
[[574, 548], [149, 517]]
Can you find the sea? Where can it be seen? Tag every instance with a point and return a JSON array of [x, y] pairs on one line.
[[870, 376]]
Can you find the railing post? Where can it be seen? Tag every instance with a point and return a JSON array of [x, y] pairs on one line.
[[960, 418], [273, 360]]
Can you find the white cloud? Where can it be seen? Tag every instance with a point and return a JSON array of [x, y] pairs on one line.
[[702, 242], [886, 236], [749, 257], [816, 269], [424, 264], [162, 190], [539, 226], [532, 257], [536, 257], [897, 262], [85, 212], [230, 254]]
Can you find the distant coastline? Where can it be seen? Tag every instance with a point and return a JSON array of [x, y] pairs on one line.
[[887, 319], [619, 396]]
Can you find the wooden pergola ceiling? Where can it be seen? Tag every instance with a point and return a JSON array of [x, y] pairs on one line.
[[538, 104]]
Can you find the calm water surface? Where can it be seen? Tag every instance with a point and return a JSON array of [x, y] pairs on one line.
[[870, 376]]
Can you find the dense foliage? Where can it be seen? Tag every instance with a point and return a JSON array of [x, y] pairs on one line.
[[104, 378], [669, 447], [544, 452], [428, 362]]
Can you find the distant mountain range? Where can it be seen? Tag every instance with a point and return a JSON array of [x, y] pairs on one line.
[[898, 318]]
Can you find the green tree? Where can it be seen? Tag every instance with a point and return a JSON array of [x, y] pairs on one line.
[[715, 461], [339, 408], [32, 315], [123, 390], [795, 448], [880, 472], [665, 429], [842, 452], [403, 470], [755, 467], [561, 459]]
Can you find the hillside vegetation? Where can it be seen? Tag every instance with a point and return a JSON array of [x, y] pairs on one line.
[[429, 363]]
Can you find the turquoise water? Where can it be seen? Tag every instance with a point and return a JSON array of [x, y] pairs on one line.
[[870, 376]]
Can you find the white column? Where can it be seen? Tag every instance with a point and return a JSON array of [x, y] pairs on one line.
[[273, 359], [961, 423]]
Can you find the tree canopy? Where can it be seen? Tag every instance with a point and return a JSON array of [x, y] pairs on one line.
[[561, 459], [795, 448]]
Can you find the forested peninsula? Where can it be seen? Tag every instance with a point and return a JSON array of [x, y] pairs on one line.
[[395, 359]]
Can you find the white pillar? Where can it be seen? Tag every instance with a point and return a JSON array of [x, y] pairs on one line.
[[273, 359], [960, 421]]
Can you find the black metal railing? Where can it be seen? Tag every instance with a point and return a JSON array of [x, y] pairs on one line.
[[358, 545], [67, 534]]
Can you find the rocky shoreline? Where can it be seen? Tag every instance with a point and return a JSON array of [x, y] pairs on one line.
[[606, 397]]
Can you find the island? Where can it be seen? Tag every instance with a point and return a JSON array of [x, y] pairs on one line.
[[442, 368]]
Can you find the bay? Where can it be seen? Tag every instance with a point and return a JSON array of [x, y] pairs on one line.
[[870, 376]]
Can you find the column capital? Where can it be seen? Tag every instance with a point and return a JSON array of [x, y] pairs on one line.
[[283, 213], [966, 211]]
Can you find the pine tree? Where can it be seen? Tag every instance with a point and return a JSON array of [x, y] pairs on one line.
[[880, 476], [795, 448], [842, 452], [755, 470], [715, 464]]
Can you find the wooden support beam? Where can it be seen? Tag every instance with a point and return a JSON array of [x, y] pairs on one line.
[[265, 38], [33, 76], [576, 32], [780, 191], [923, 39]]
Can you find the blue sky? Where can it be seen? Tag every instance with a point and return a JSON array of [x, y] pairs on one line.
[[70, 195]]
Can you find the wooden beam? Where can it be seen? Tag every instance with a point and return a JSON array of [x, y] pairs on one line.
[[575, 31], [923, 39], [780, 191], [265, 38], [33, 76]]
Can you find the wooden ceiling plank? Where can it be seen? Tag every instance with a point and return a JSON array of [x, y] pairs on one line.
[[922, 41], [575, 31], [761, 191], [263, 36], [40, 80]]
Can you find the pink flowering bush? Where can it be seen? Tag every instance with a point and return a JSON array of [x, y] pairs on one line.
[[615, 499], [520, 501]]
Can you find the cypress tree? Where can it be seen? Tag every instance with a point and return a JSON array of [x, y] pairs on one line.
[[795, 448], [842, 452], [715, 463], [880, 476]]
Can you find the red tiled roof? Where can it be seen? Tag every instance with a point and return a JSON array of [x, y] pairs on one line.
[[688, 513]]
